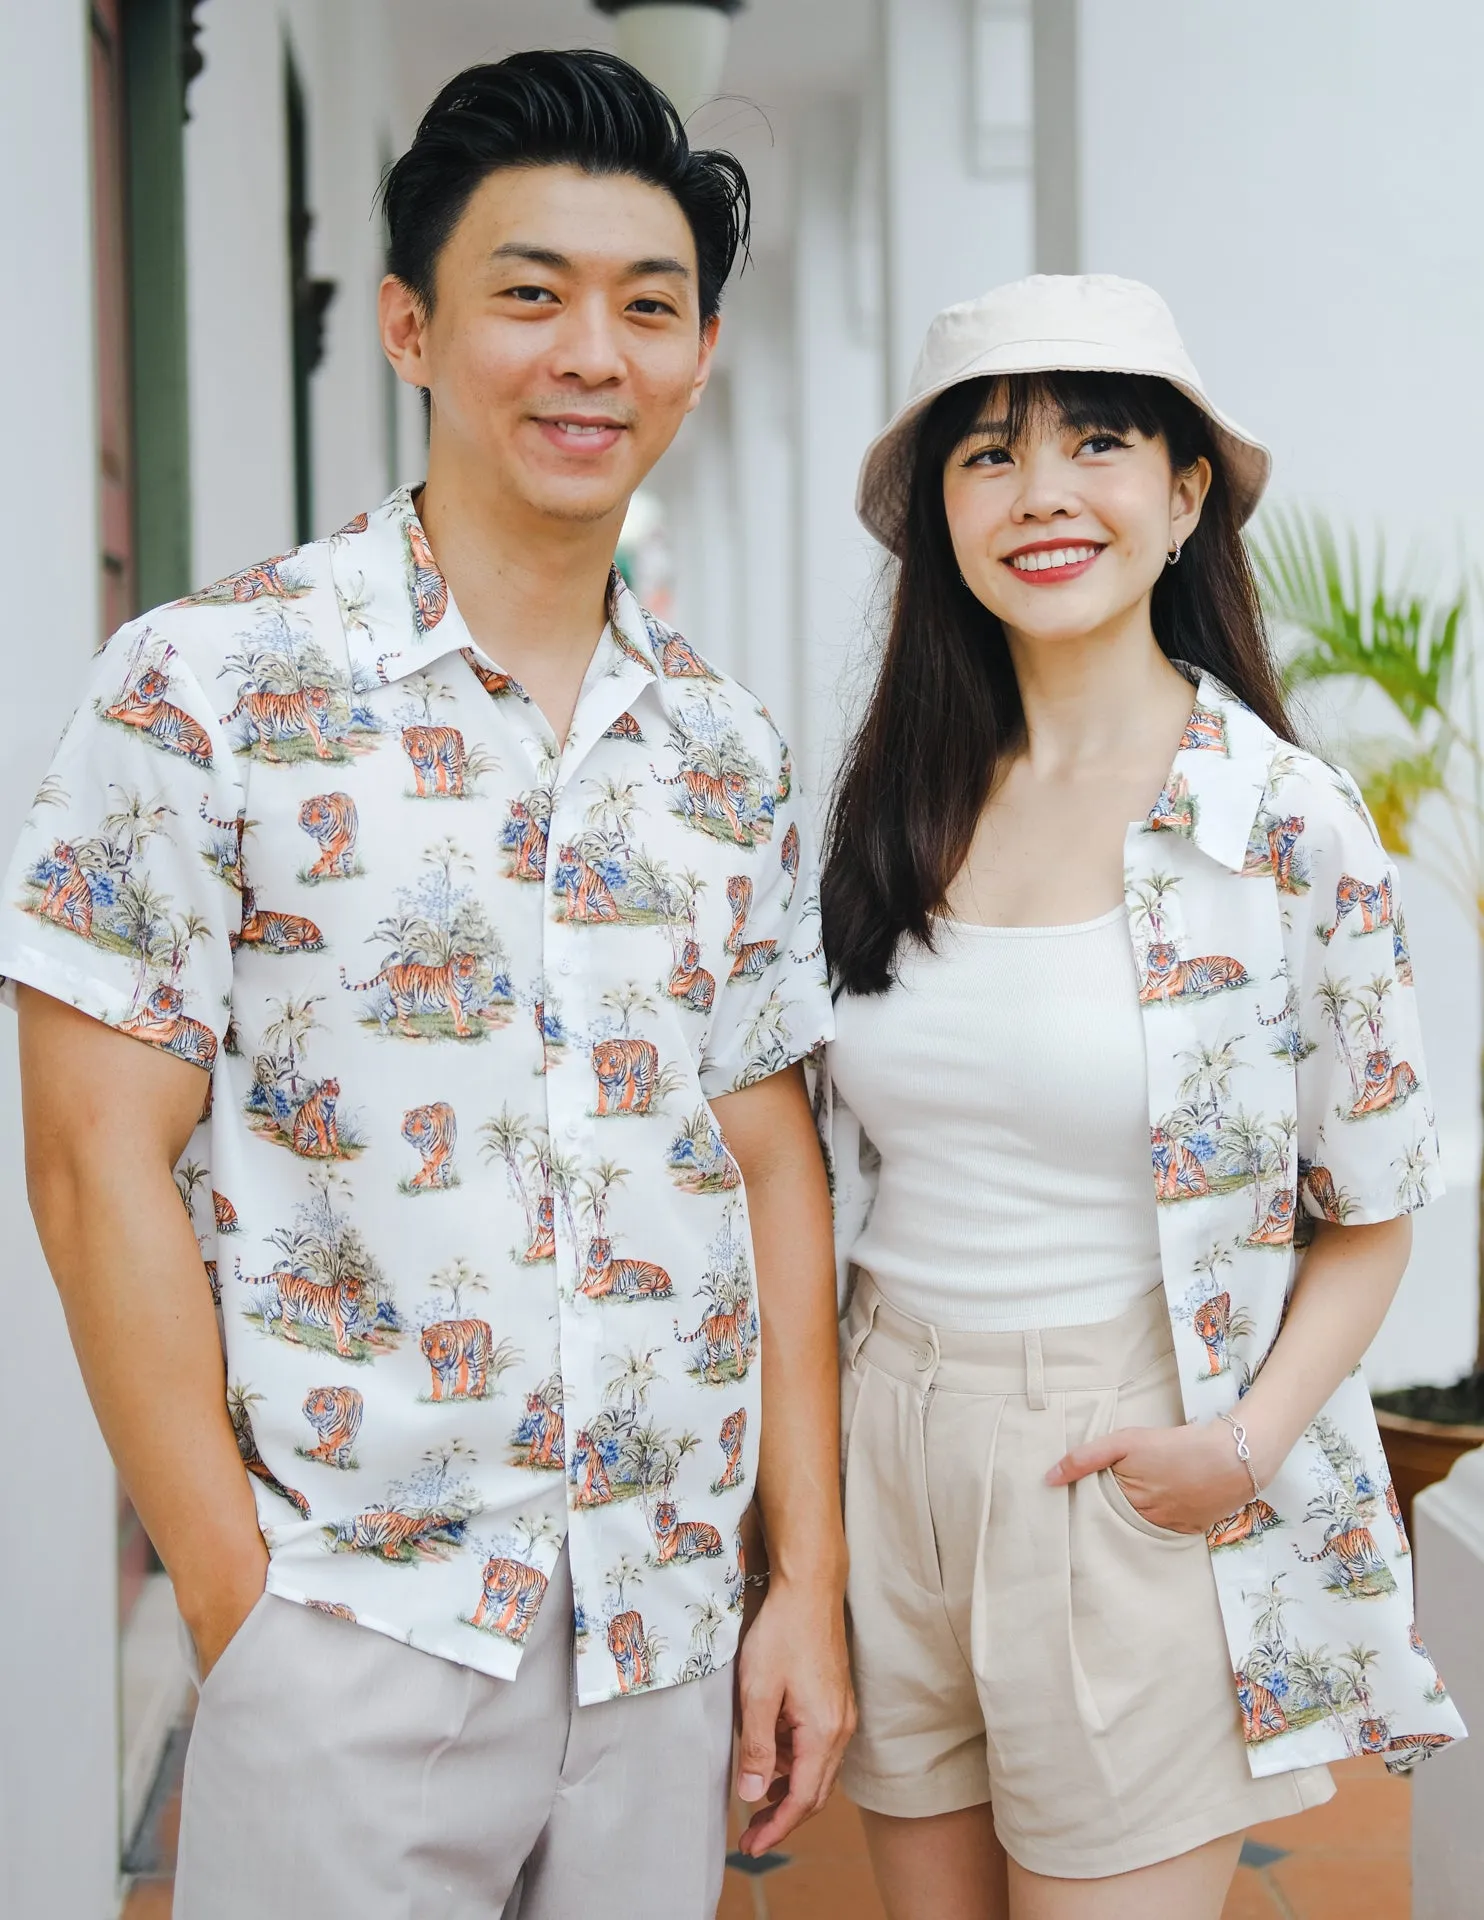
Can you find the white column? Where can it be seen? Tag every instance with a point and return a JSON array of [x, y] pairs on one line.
[[242, 446], [837, 407], [957, 96], [1448, 1793], [58, 1641]]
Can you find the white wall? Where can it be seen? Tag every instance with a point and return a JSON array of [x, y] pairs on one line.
[[1301, 183], [58, 1675], [242, 450]]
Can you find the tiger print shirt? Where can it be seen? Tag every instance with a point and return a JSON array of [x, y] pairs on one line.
[[480, 1255], [1286, 1085]]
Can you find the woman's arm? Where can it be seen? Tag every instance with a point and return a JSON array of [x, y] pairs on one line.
[[1187, 1478]]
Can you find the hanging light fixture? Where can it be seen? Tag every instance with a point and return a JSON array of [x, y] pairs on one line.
[[681, 45]]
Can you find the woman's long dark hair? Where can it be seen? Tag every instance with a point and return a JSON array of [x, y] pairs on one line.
[[945, 715]]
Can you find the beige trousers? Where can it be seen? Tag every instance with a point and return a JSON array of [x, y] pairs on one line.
[[335, 1774]]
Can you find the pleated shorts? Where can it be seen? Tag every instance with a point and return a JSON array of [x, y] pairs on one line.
[[1044, 1650]]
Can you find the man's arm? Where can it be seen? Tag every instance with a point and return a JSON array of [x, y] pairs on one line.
[[797, 1709], [106, 1119]]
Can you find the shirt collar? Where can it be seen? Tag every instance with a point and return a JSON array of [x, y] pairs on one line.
[[1216, 785], [399, 615]]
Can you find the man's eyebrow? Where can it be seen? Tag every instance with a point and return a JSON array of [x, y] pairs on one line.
[[559, 263]]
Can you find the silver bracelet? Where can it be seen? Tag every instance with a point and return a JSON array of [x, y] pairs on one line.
[[1244, 1452]]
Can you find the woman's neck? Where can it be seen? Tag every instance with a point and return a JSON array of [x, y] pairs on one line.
[[1098, 700]]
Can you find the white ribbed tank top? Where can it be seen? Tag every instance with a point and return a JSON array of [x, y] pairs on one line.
[[1002, 1080]]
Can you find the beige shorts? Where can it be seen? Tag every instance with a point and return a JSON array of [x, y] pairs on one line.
[[1043, 1649]]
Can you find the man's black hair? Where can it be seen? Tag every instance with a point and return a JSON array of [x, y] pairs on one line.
[[584, 109]]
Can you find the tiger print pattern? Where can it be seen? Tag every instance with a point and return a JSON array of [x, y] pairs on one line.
[[466, 981], [335, 1414], [679, 1539], [1168, 977], [332, 821]]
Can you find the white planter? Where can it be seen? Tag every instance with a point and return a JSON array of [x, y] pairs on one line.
[[1448, 1791]]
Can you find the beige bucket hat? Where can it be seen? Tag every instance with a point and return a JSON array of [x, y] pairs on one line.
[[1052, 322]]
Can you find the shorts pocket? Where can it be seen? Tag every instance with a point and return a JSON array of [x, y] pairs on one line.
[[1112, 1491], [232, 1653]]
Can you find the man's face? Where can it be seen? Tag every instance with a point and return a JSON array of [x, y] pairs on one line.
[[565, 344]]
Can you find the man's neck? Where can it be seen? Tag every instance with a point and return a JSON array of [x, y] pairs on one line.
[[533, 589]]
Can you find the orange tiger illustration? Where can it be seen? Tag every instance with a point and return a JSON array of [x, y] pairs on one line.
[[336, 1609], [335, 1414], [358, 525], [1319, 1184], [710, 796], [1374, 904], [543, 1431], [511, 1599], [238, 1409], [689, 982], [1262, 1712], [1385, 1085], [627, 1072], [1403, 1544], [721, 1333], [680, 661], [750, 958], [1167, 977], [788, 852], [1376, 1737], [589, 1473], [285, 716], [526, 829], [252, 583], [543, 1246], [1212, 1322], [732, 1438], [588, 895], [275, 932], [1272, 850], [1276, 1226], [223, 1212], [625, 727], [67, 899], [439, 760], [459, 1353], [1400, 952], [682, 1540], [1178, 1174], [399, 1536], [414, 987], [1174, 810], [334, 1306], [627, 1643], [607, 1278], [144, 705], [433, 1132], [1358, 1568], [163, 1024], [495, 683], [332, 822], [1205, 731], [429, 588], [1244, 1525], [313, 1133]]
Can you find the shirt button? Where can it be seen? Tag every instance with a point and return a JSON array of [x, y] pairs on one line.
[[530, 747], [564, 966]]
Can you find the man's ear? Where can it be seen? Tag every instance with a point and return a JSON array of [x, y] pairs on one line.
[[402, 323], [710, 334]]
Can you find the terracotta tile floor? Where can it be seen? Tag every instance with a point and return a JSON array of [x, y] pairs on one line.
[[1344, 1859]]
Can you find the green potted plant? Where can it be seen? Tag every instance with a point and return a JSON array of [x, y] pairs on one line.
[[1424, 784]]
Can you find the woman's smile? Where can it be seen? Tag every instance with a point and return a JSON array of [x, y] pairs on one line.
[[1049, 563]]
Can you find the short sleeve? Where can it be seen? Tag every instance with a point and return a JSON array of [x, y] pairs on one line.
[[775, 1008], [123, 896], [1367, 1143]]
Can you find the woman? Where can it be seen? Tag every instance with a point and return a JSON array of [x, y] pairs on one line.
[[1106, 1447]]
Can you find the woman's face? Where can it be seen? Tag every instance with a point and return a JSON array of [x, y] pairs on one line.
[[1065, 533]]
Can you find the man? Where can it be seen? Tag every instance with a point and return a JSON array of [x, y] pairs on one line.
[[459, 908]]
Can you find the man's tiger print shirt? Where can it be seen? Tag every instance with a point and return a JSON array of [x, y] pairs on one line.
[[480, 1256]]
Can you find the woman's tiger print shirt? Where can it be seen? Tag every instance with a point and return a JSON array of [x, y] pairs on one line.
[[481, 1258], [1286, 1085]]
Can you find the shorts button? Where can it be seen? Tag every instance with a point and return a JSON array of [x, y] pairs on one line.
[[922, 1358]]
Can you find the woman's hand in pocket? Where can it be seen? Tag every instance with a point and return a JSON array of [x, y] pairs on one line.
[[1184, 1479]]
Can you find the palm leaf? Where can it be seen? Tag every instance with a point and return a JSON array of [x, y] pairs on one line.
[[1353, 625], [1394, 785]]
